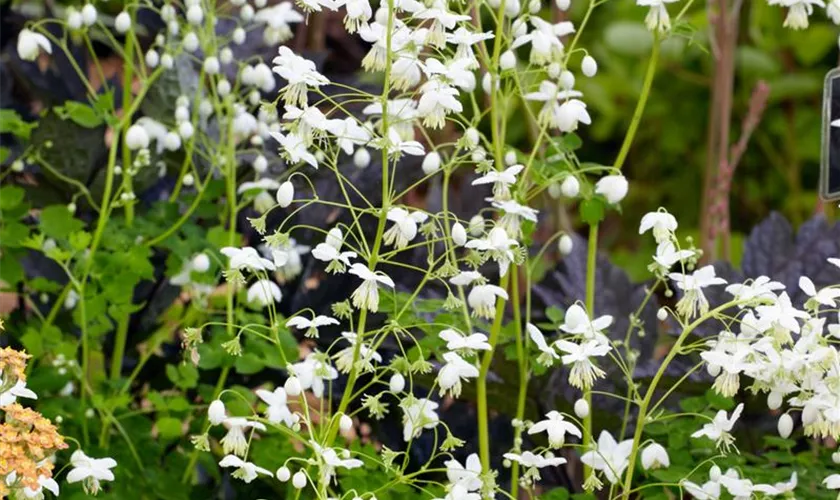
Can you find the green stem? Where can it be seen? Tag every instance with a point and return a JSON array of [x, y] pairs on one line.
[[128, 75], [119, 346], [591, 265], [640, 106], [522, 361]]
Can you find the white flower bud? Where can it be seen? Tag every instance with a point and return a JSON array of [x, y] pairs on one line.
[[223, 87], [136, 138], [205, 109], [201, 262], [173, 27], [292, 386], [612, 187], [397, 383], [534, 6], [589, 66], [570, 187], [785, 425], [190, 42], [225, 55], [216, 412], [835, 457], [71, 207], [211, 65], [166, 61], [299, 480], [238, 36], [152, 58], [662, 314], [459, 234], [247, 13], [122, 23], [195, 15], [285, 194], [507, 60], [554, 70], [361, 158], [565, 244], [185, 129], [715, 473], [431, 163], [581, 408], [476, 226], [182, 114], [283, 474], [172, 141], [554, 190], [774, 400], [563, 4], [260, 164], [471, 137], [478, 155], [510, 158], [89, 15], [345, 423], [74, 19], [188, 179], [567, 79]]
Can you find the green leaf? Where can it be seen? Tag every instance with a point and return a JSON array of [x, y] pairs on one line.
[[719, 402], [184, 375], [248, 364], [693, 405], [592, 211], [13, 234], [80, 113], [811, 45], [11, 270], [169, 428], [32, 342], [57, 222], [10, 197], [12, 123], [80, 240]]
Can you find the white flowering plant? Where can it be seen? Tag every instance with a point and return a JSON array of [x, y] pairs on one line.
[[282, 186]]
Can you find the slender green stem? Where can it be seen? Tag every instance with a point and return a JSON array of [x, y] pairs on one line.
[[640, 106], [591, 266], [522, 361]]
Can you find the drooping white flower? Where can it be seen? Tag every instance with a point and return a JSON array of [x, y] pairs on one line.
[[44, 483], [693, 299], [460, 492], [300, 73], [609, 456], [482, 300], [344, 358], [825, 296], [453, 372], [418, 414], [330, 461], [312, 372], [264, 292], [235, 441], [798, 11], [666, 256], [759, 288], [654, 456], [216, 413], [442, 20], [397, 146], [545, 40], [547, 353], [465, 278], [30, 45], [514, 213], [405, 226], [662, 223], [612, 187], [556, 427], [583, 372], [366, 296], [501, 181], [498, 245], [529, 459], [562, 109], [832, 10], [310, 326], [18, 390], [247, 258], [577, 322], [277, 410], [277, 19], [245, 471], [437, 101], [467, 475], [90, 470], [832, 482], [589, 66], [455, 341], [464, 39], [330, 252], [719, 428], [348, 134], [657, 18]]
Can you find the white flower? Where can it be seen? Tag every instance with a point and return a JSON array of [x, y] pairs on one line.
[[247, 258], [781, 314], [655, 456], [548, 354], [778, 488], [609, 456], [277, 410], [666, 256], [692, 285], [459, 492], [662, 223], [759, 288], [235, 441], [545, 40], [501, 181], [18, 390], [583, 372], [361, 158], [832, 482], [455, 341], [589, 66], [464, 39], [826, 296], [528, 459], [418, 414], [397, 146], [405, 226], [285, 194], [344, 358], [348, 134], [264, 292], [136, 137], [832, 10], [330, 252], [311, 373], [431, 163], [277, 19], [90, 470], [397, 383], [785, 425], [577, 322], [467, 475], [453, 372], [330, 461], [442, 20], [437, 100], [612, 187], [216, 412], [719, 428], [798, 11], [482, 300], [556, 427], [513, 213], [657, 18], [465, 278], [581, 408], [311, 326], [246, 471], [562, 109], [300, 73], [366, 296], [122, 22], [459, 234], [499, 245], [44, 482], [570, 186]]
